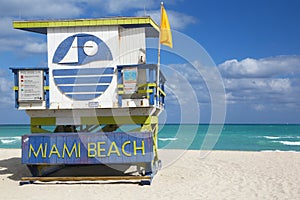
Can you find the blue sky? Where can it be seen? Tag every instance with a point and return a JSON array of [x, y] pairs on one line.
[[255, 46]]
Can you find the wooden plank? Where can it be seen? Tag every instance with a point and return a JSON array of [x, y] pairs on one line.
[[86, 178]]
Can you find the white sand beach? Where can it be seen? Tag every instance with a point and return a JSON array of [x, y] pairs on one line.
[[220, 175]]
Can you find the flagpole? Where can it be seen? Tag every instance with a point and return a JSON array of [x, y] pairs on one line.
[[158, 58]]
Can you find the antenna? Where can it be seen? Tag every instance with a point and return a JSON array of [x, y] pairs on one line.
[[20, 13], [144, 7]]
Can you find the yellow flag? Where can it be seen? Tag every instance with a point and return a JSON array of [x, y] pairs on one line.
[[165, 30]]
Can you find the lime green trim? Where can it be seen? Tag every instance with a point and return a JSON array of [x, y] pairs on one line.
[[147, 85], [155, 25], [43, 121], [155, 145], [140, 85], [161, 91], [36, 129], [145, 127], [122, 92], [86, 22], [120, 86], [141, 88], [46, 87], [144, 91], [15, 88], [119, 120]]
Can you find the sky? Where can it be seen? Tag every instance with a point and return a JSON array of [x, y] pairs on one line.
[[254, 45]]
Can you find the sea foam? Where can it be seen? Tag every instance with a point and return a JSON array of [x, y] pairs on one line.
[[167, 139], [271, 137], [9, 140], [270, 151], [289, 143]]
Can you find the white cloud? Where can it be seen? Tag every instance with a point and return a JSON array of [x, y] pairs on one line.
[[261, 68], [17, 41], [177, 20], [181, 96], [259, 107], [39, 8], [35, 47], [120, 6], [205, 82], [6, 27], [266, 83], [7, 98], [22, 43]]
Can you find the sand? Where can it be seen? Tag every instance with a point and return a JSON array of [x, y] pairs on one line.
[[185, 175]]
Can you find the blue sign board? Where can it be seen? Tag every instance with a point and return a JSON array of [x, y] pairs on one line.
[[87, 148]]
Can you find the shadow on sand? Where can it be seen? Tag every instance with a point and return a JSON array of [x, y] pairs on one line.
[[15, 170]]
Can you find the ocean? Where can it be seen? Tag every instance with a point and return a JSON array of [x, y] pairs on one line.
[[174, 136]]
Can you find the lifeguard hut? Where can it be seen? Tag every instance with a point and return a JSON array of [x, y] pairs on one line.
[[97, 81]]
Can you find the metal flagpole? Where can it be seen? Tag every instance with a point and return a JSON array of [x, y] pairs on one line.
[[158, 58]]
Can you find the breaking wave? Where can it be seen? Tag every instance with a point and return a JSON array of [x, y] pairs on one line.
[[167, 139], [10, 140]]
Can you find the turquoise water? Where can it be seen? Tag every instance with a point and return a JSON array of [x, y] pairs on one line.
[[238, 137], [231, 137], [10, 135]]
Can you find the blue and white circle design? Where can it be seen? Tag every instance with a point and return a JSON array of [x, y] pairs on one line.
[[83, 83], [81, 49]]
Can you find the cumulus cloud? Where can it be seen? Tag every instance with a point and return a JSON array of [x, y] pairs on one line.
[[114, 7], [39, 8], [177, 20], [144, 8], [21, 42], [182, 96], [205, 82], [258, 84], [278, 66], [259, 107], [262, 84], [118, 7], [5, 89], [35, 47], [197, 86], [25, 44]]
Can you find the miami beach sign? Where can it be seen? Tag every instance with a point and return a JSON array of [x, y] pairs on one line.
[[87, 148]]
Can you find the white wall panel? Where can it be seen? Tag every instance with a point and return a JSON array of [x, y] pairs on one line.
[[131, 41]]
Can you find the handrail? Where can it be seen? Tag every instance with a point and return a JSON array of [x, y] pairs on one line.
[[161, 91], [147, 85], [143, 91]]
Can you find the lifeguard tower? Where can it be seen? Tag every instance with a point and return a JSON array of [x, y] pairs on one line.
[[96, 82]]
